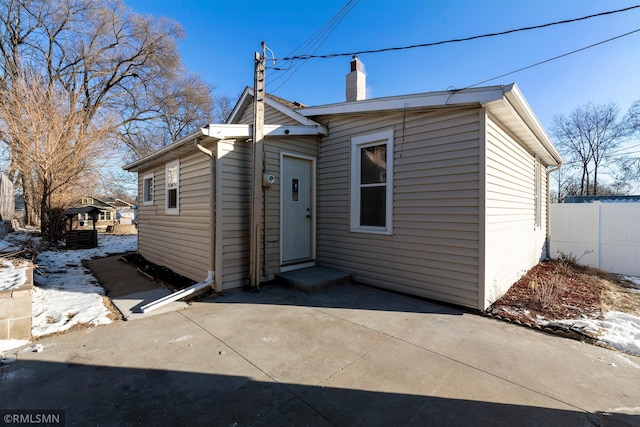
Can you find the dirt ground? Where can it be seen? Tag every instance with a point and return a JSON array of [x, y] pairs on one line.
[[562, 289], [169, 278]]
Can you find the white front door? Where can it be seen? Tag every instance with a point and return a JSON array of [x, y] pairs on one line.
[[297, 210]]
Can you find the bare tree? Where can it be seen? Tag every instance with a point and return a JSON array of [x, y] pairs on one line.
[[97, 70], [632, 118], [588, 137], [223, 107], [178, 105], [52, 146], [567, 185]]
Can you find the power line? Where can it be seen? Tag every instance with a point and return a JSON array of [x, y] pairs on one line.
[[554, 58], [312, 44], [362, 52]]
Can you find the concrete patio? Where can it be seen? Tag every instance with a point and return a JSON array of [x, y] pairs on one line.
[[350, 355]]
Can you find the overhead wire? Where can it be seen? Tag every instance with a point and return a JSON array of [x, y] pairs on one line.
[[554, 58], [312, 44], [458, 40]]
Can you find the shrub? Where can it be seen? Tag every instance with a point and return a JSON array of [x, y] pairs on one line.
[[546, 292]]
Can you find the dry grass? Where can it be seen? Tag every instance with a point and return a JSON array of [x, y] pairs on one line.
[[563, 289]]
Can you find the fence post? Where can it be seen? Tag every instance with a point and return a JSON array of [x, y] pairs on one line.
[[597, 230]]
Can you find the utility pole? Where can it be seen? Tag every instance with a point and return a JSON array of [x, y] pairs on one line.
[[257, 191]]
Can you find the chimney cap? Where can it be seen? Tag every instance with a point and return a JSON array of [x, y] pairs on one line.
[[356, 65]]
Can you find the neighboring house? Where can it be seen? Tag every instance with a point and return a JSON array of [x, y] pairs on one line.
[[125, 212], [106, 216], [112, 211], [127, 215], [442, 195]]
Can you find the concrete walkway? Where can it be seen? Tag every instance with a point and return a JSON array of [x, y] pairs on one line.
[[128, 288], [351, 355]]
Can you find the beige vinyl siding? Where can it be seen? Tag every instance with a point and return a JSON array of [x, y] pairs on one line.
[[434, 249], [180, 242], [235, 202], [513, 242], [271, 117]]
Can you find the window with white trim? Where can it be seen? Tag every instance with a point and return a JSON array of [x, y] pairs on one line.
[[105, 216], [372, 183], [147, 189], [172, 183]]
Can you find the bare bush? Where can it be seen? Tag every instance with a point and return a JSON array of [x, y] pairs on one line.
[[546, 292]]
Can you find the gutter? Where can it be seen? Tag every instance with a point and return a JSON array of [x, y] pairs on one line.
[[182, 141], [521, 106], [212, 206], [548, 216], [178, 295]]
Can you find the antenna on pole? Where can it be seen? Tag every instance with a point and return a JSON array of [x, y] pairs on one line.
[[257, 191]]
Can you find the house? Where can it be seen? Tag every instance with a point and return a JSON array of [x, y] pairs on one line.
[[106, 213], [125, 212], [441, 195]]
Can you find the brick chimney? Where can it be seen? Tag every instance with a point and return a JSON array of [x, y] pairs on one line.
[[356, 81]]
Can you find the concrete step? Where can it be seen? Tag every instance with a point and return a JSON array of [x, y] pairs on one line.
[[314, 279]]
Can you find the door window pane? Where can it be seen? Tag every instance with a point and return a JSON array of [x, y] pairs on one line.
[[294, 190]]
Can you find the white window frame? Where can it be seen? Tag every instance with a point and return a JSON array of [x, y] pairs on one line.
[[357, 143], [172, 210], [105, 216], [147, 197]]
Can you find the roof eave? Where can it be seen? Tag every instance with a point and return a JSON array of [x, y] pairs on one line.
[[441, 99], [136, 165], [520, 107]]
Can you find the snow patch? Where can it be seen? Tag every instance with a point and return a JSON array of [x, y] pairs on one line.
[[6, 247], [65, 293], [634, 280], [12, 344], [12, 276], [618, 330]]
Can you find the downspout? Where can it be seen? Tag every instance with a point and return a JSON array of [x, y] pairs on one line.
[[548, 219], [219, 218], [212, 203]]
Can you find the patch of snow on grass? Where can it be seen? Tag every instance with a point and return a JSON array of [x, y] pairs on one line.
[[7, 247], [635, 281], [619, 330], [11, 276], [66, 293]]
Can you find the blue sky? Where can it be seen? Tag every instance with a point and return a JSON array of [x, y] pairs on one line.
[[222, 36]]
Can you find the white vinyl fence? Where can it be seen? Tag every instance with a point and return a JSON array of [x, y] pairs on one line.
[[602, 235]]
